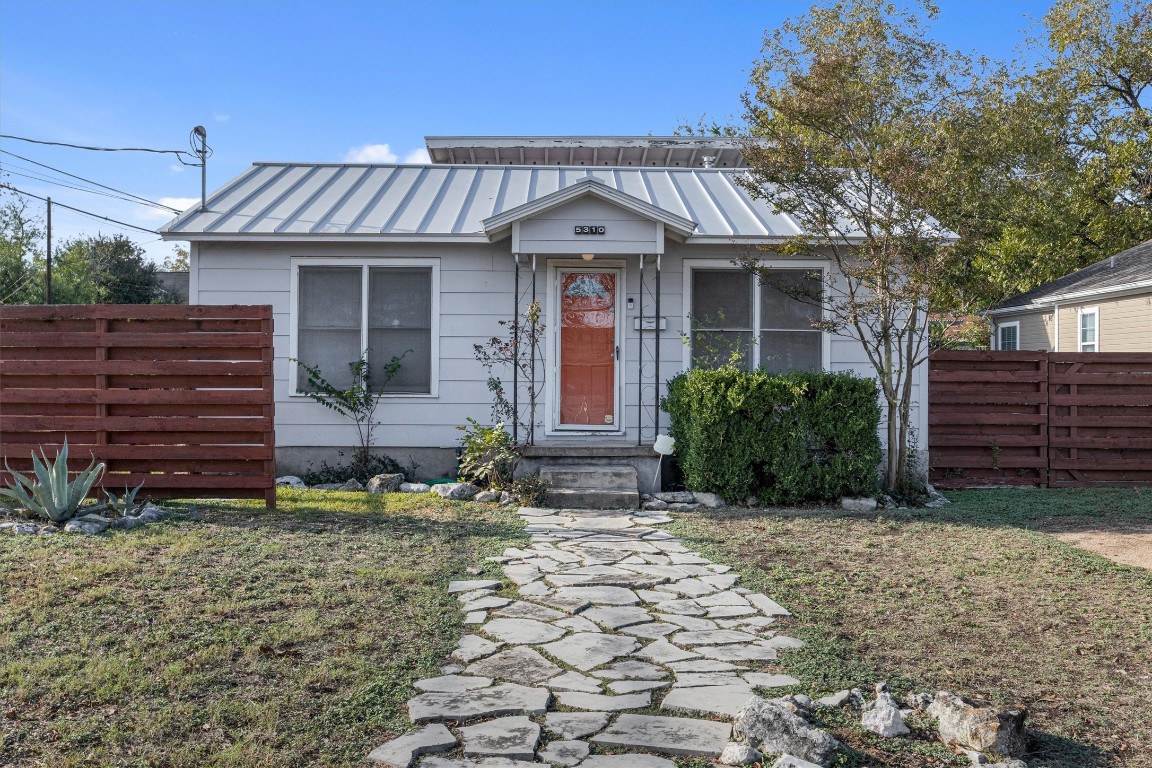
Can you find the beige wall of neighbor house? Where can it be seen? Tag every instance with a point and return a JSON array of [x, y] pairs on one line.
[[1122, 324]]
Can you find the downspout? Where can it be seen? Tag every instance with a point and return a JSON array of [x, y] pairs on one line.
[[640, 365], [656, 336], [532, 382], [516, 352]]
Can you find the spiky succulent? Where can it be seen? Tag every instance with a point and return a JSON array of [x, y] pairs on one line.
[[51, 494]]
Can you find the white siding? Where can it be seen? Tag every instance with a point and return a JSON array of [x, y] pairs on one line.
[[476, 293]]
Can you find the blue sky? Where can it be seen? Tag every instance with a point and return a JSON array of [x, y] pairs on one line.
[[333, 81]]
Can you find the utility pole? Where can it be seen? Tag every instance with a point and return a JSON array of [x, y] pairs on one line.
[[202, 134], [48, 259]]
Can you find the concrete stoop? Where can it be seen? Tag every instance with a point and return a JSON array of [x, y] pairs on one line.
[[573, 486]]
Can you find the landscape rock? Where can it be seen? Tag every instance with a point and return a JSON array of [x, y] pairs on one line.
[[655, 504], [385, 483], [26, 529], [487, 496], [414, 488], [507, 498], [710, 500], [86, 527], [965, 724], [736, 753], [401, 751], [686, 506], [774, 730], [790, 761], [883, 717], [291, 481], [151, 513], [676, 497], [351, 485], [838, 699], [456, 490], [858, 505]]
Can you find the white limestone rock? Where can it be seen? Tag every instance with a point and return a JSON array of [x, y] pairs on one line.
[[401, 751]]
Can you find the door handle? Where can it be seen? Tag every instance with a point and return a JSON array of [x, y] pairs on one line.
[[617, 351]]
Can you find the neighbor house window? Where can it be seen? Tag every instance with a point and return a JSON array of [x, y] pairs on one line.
[[1009, 337], [1089, 330], [737, 318], [343, 310]]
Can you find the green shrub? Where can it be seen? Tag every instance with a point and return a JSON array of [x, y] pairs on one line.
[[783, 438], [488, 456]]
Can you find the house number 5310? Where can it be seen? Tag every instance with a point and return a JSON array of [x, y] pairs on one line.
[[589, 229]]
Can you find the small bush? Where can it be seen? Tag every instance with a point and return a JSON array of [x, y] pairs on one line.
[[783, 438], [488, 456], [361, 468]]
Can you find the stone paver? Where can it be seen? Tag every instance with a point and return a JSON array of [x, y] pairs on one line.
[[512, 737], [669, 735], [401, 751], [635, 613], [516, 665]]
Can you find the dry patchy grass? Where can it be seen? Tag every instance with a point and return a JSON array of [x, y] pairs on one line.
[[232, 636], [970, 598]]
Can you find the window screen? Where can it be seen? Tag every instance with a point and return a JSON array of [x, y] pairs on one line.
[[1088, 331], [789, 304], [400, 325], [330, 318], [721, 317], [335, 327]]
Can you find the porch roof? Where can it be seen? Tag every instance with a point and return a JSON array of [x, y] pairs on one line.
[[319, 201]]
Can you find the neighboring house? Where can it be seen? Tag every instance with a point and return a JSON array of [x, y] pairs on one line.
[[1105, 307], [176, 283], [626, 242]]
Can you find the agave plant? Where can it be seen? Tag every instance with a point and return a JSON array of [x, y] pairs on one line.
[[125, 504], [51, 494]]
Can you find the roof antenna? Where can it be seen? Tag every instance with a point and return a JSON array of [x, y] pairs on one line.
[[202, 153]]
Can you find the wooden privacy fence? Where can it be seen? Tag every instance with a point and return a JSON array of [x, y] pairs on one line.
[[176, 397], [1040, 418]]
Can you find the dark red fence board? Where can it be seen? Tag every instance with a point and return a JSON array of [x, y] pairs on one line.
[[1039, 418], [177, 397]]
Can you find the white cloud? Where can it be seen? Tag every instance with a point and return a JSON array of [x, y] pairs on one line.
[[220, 117], [160, 214], [176, 168], [370, 153], [418, 156]]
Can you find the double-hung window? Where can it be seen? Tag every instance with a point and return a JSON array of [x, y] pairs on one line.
[[767, 324], [1009, 336], [1089, 330], [389, 310]]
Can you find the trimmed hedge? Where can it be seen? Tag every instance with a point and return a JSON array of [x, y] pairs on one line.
[[783, 438]]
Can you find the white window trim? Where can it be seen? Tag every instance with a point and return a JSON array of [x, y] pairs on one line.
[[810, 264], [1095, 312], [1000, 338], [365, 264]]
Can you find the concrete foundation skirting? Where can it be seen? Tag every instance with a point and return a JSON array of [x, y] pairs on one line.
[[430, 463]]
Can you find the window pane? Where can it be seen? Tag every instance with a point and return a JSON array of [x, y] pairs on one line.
[[415, 372], [329, 297], [779, 307], [1088, 328], [400, 298], [722, 298], [1008, 337], [329, 332], [712, 349], [782, 351], [399, 325]]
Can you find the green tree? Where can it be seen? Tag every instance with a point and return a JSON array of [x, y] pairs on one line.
[[852, 119], [20, 236], [178, 261], [99, 270]]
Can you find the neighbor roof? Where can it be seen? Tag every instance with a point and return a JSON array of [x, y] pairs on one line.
[[1130, 269], [619, 151], [450, 202]]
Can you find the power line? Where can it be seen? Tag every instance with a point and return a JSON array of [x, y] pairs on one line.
[[35, 176], [79, 210], [177, 152], [94, 183]]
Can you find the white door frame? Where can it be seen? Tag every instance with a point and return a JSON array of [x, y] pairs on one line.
[[556, 268]]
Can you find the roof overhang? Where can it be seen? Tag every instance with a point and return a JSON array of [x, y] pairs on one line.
[[619, 151], [500, 225], [1049, 302]]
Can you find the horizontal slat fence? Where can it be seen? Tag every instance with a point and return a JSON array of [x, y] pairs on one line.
[[177, 397], [1039, 418]]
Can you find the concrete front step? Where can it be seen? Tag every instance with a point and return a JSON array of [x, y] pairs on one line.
[[591, 486]]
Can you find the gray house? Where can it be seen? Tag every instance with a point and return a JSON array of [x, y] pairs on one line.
[[626, 243], [1105, 307]]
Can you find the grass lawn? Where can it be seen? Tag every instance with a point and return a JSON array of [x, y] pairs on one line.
[[970, 598], [232, 636]]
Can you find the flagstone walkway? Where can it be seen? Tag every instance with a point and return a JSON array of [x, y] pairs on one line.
[[619, 636]]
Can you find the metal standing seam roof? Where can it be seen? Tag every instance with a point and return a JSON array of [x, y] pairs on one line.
[[450, 202]]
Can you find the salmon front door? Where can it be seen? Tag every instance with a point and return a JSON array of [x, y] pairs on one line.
[[589, 349]]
